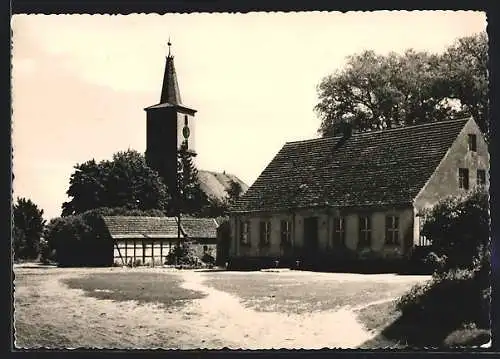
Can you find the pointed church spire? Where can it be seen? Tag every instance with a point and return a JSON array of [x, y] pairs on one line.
[[170, 89]]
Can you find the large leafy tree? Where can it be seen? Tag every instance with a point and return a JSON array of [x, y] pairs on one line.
[[465, 67], [382, 91], [125, 181], [28, 228]]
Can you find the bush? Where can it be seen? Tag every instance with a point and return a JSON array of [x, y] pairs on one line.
[[459, 292], [47, 254], [448, 301], [458, 228], [208, 259], [183, 255]]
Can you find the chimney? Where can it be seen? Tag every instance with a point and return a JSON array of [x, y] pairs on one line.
[[344, 129]]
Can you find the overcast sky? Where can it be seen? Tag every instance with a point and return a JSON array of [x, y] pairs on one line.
[[80, 82]]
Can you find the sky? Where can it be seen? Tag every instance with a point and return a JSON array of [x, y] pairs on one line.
[[80, 82]]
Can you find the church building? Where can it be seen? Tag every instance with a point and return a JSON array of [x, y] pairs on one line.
[[170, 124]]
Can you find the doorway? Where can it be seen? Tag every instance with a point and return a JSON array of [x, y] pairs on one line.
[[311, 235]]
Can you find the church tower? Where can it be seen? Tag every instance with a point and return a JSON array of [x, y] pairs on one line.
[[169, 125]]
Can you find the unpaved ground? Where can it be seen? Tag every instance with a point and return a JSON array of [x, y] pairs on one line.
[[242, 327], [50, 314]]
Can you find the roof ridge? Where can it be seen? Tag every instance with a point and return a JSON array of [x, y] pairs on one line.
[[401, 128], [145, 217], [218, 172]]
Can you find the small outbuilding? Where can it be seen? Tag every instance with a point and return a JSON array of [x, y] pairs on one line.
[[148, 240]]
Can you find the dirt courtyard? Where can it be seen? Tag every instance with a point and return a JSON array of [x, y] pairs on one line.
[[150, 308]]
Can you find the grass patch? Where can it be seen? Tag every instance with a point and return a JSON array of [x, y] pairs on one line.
[[378, 316], [160, 288], [292, 293], [33, 335], [47, 314], [467, 337]]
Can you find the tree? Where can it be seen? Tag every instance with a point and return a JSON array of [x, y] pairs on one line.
[[219, 207], [215, 207], [125, 181], [28, 228], [234, 191], [465, 65], [377, 92], [190, 198]]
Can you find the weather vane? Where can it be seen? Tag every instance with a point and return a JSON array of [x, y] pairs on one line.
[[169, 45]]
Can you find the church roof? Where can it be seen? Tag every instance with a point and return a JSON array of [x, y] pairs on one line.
[[170, 89], [386, 167], [215, 184], [170, 94]]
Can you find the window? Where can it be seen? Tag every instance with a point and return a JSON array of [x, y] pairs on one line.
[[365, 231], [472, 142], [286, 233], [481, 177], [392, 230], [245, 232], [265, 233], [423, 241], [463, 178], [338, 231]]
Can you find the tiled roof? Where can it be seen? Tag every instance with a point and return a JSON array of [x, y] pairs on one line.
[[199, 227], [159, 227], [215, 184], [141, 227], [386, 167]]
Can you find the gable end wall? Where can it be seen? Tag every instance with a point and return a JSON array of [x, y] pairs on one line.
[[444, 180]]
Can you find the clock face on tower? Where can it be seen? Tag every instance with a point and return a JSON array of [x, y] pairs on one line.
[[185, 132]]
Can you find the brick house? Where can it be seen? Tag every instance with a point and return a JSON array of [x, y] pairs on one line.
[[357, 195]]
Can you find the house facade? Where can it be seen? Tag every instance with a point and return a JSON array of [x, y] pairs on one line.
[[356, 196]]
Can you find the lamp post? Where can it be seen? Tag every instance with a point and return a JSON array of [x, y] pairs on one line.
[[178, 202]]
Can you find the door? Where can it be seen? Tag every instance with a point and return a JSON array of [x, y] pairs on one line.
[[311, 236]]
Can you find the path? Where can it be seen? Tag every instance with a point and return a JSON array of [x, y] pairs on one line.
[[222, 315]]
